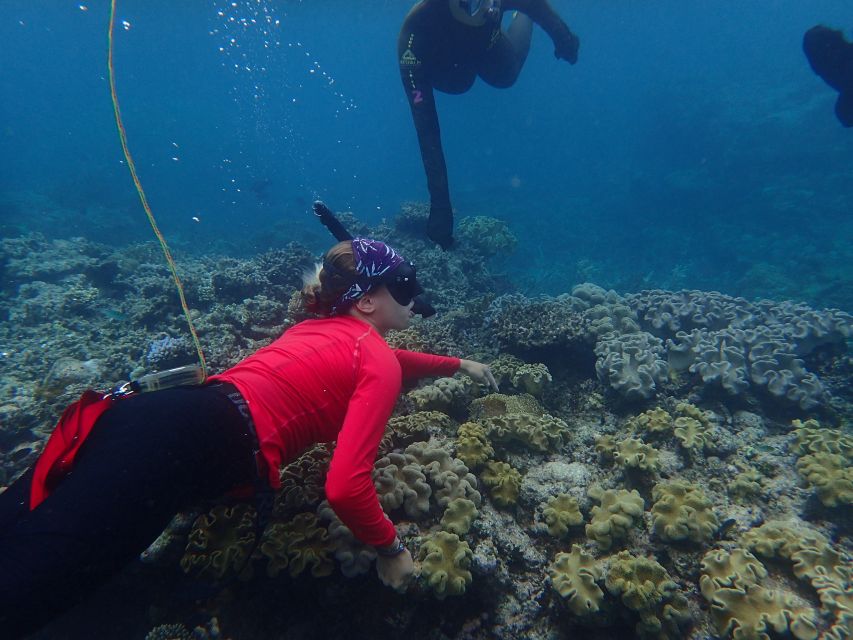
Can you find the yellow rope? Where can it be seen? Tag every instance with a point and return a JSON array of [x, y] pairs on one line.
[[138, 184]]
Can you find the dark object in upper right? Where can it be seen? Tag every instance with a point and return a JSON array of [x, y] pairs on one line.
[[831, 57]]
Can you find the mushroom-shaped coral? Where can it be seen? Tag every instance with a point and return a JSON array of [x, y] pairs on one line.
[[401, 482], [683, 512], [657, 420], [692, 435], [645, 586], [504, 483], [301, 543], [635, 454], [540, 433], [441, 394], [574, 576], [220, 541], [353, 556], [448, 476], [619, 510], [560, 513], [445, 564], [417, 426], [472, 445], [459, 516], [743, 608], [831, 476], [810, 437], [752, 611], [532, 379]]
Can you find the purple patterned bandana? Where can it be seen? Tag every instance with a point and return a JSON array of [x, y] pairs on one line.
[[373, 259]]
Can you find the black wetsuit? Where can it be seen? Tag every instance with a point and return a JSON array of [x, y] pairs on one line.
[[147, 458], [831, 57], [435, 51]]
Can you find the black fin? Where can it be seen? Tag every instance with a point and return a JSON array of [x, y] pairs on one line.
[[844, 108]]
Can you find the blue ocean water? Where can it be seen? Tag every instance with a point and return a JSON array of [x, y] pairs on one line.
[[691, 145]]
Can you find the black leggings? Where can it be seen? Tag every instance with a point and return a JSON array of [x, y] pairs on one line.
[[148, 457]]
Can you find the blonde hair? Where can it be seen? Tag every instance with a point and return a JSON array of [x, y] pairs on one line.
[[321, 287]]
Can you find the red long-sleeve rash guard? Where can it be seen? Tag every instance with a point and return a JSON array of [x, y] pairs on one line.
[[325, 380]]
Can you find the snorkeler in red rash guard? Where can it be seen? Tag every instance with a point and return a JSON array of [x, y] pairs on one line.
[[151, 455]]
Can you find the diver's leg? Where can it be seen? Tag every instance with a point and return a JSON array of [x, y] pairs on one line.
[[504, 60], [147, 458]]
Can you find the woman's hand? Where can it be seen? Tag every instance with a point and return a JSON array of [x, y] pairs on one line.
[[395, 571], [478, 372]]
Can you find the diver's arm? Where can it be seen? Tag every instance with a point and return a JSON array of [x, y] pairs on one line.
[[566, 43]]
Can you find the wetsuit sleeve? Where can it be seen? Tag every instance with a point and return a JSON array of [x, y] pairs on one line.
[[421, 365], [543, 14], [419, 94], [349, 483]]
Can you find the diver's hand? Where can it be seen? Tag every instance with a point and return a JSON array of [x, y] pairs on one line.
[[566, 46], [440, 225], [479, 372], [395, 571]]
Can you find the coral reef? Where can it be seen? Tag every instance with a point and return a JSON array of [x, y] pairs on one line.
[[618, 511], [445, 564], [683, 512], [575, 576], [608, 403]]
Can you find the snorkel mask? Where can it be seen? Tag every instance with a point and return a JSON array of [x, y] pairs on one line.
[[400, 279], [377, 264], [475, 12]]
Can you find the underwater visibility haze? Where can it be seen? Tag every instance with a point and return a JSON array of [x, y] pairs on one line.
[[653, 251]]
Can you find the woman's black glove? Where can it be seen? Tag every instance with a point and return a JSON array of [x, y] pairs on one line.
[[566, 45]]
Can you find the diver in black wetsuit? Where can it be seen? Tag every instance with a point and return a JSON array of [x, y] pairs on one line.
[[445, 45], [831, 57]]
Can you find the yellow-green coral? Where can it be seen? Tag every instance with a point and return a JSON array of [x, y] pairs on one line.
[[619, 510], [831, 475], [747, 483], [827, 568], [691, 433], [810, 437], [682, 511], [730, 569], [220, 542], [692, 411], [459, 516], [540, 433], [532, 379], [574, 576], [301, 543], [606, 446], [560, 513], [657, 420], [472, 445], [504, 367], [743, 608], [635, 454], [417, 426], [504, 483], [445, 563], [645, 586]]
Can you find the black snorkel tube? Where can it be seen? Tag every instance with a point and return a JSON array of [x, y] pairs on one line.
[[422, 307]]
